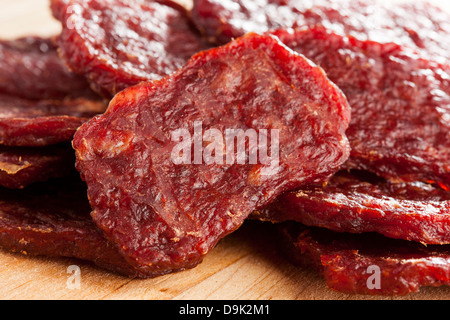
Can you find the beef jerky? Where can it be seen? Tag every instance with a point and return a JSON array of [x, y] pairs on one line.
[[53, 219], [353, 203], [59, 8], [35, 123], [400, 127], [165, 208], [417, 25], [368, 264], [119, 43], [31, 68], [20, 167]]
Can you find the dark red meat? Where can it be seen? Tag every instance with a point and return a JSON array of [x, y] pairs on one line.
[[41, 101], [164, 216], [351, 203], [417, 25], [119, 43], [400, 127], [31, 68], [35, 123], [52, 219], [351, 263], [20, 167]]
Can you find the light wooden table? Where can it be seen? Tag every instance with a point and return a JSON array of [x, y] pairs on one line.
[[245, 265]]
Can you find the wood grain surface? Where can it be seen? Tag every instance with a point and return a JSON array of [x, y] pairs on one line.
[[244, 265]]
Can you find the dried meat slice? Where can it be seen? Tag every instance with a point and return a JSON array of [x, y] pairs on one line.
[[41, 102], [153, 188], [59, 8], [20, 167], [119, 43], [400, 127], [418, 25], [30, 68], [37, 123], [222, 21], [53, 219], [367, 264], [359, 203]]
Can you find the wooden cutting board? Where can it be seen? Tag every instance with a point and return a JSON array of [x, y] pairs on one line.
[[245, 265]]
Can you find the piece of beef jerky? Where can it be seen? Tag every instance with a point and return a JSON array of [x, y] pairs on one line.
[[31, 68], [20, 167], [41, 101], [53, 219], [119, 43], [369, 263], [357, 204], [35, 123], [417, 25], [59, 8], [153, 188], [400, 127]]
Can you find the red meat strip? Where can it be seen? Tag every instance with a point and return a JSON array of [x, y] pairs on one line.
[[352, 203], [31, 68], [164, 216], [20, 167], [59, 8], [400, 127], [119, 43], [417, 25], [367, 264], [52, 219], [35, 123]]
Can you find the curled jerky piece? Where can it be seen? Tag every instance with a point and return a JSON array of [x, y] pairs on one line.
[[158, 196], [35, 123], [53, 219], [31, 68], [417, 25], [119, 43], [20, 167], [368, 263], [400, 127], [353, 203]]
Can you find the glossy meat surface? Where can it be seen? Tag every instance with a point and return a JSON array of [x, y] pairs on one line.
[[165, 216], [31, 68], [119, 43], [52, 219], [400, 127], [37, 123], [20, 167], [353, 203], [418, 25], [367, 264]]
